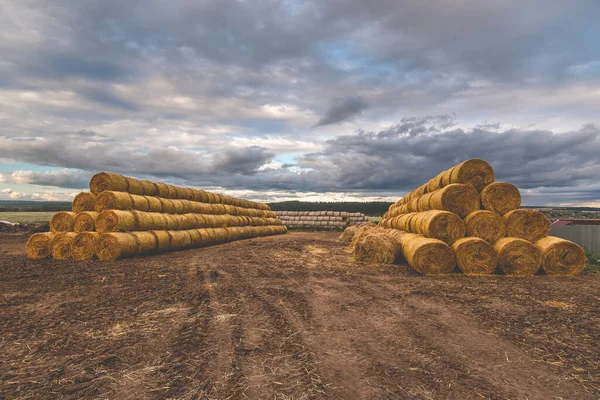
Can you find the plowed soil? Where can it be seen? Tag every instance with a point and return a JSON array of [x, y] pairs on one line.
[[288, 317]]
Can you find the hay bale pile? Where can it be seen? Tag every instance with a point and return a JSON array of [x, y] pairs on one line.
[[463, 218], [324, 219], [126, 217]]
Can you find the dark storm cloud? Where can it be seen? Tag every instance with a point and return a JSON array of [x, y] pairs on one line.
[[63, 178], [396, 159], [343, 109]]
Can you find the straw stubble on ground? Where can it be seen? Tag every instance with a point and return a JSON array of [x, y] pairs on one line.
[[289, 316]]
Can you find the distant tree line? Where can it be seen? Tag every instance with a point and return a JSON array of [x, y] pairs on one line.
[[374, 208], [34, 206]]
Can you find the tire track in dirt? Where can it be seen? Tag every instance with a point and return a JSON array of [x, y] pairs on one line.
[[430, 330], [271, 354]]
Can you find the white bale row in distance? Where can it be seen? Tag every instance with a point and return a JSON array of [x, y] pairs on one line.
[[316, 223], [318, 214], [317, 218]]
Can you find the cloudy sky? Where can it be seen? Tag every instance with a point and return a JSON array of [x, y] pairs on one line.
[[316, 100]]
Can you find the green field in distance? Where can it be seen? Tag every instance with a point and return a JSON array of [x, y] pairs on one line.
[[26, 217]]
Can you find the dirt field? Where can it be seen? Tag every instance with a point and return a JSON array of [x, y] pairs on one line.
[[288, 317]]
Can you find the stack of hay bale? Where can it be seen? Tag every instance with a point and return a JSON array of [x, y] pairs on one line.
[[326, 219], [463, 217], [125, 217]]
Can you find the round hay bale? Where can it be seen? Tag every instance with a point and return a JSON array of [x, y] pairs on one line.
[[149, 188], [159, 221], [61, 245], [140, 203], [221, 235], [39, 245], [83, 247], [360, 231], [456, 198], [517, 256], [162, 189], [436, 224], [116, 245], [348, 234], [500, 197], [135, 186], [163, 240], [167, 206], [475, 256], [560, 256], [475, 172], [172, 192], [187, 194], [154, 204], [144, 221], [486, 225], [85, 221], [180, 240], [425, 255], [377, 247], [196, 237], [113, 201], [146, 242], [104, 181], [116, 221], [210, 197], [84, 201], [526, 224], [172, 222], [63, 221], [179, 206]]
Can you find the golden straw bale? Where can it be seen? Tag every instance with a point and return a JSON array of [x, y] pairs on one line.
[[154, 204], [221, 234], [163, 240], [526, 224], [147, 242], [144, 221], [172, 192], [500, 197], [475, 256], [83, 247], [231, 210], [116, 221], [218, 198], [486, 225], [149, 188], [39, 245], [196, 237], [560, 256], [159, 221], [362, 230], [179, 206], [167, 206], [474, 172], [348, 234], [162, 190], [203, 196], [457, 198], [188, 194], [85, 221], [140, 203], [135, 186], [116, 245], [113, 201], [104, 181], [436, 224], [377, 247], [517, 256], [63, 221], [188, 206], [210, 197], [180, 240], [425, 255], [61, 245], [84, 202], [171, 222]]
